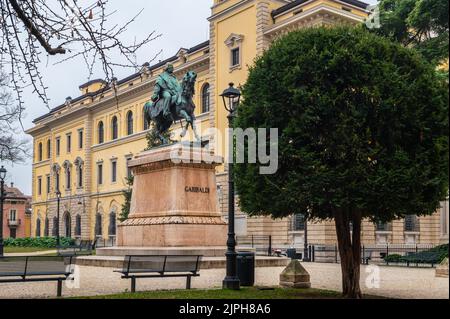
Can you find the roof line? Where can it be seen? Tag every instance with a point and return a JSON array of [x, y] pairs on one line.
[[296, 3], [124, 80]]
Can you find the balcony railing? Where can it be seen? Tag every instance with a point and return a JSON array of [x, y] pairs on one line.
[[13, 223]]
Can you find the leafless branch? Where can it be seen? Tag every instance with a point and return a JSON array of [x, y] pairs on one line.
[[11, 148], [32, 29]]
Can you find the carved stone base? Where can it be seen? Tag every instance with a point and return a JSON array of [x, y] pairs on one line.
[[173, 235], [174, 201]]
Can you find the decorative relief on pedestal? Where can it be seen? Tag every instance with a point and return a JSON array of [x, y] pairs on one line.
[[173, 220]]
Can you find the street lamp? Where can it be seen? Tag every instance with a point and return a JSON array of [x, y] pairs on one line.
[[2, 198], [58, 200], [231, 97]]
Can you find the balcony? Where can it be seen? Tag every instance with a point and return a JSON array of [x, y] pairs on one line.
[[14, 223]]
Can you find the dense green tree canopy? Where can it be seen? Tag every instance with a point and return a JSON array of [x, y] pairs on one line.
[[363, 125], [422, 24]]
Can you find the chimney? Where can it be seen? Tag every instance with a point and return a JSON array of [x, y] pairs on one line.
[[12, 184]]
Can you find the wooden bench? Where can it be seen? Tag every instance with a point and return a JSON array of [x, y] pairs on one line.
[[36, 269], [160, 266]]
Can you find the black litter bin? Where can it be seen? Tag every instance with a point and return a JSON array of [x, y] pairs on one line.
[[246, 268], [291, 252]]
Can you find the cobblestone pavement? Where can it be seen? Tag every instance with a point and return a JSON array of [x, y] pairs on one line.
[[394, 282]]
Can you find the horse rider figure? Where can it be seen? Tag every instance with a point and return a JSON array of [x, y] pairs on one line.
[[168, 91]]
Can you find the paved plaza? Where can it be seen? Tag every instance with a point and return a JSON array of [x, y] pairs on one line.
[[394, 282]]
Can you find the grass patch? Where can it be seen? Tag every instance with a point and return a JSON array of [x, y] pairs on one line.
[[244, 293], [19, 250]]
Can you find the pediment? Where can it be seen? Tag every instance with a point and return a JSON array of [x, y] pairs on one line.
[[233, 39]]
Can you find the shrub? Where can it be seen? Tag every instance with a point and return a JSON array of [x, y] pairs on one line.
[[393, 258], [433, 256], [41, 242]]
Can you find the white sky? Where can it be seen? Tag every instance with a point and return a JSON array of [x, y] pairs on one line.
[[182, 23]]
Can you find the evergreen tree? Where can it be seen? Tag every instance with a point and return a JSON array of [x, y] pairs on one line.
[[363, 125]]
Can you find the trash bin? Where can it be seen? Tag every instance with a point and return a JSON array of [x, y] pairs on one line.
[[246, 268], [291, 252]]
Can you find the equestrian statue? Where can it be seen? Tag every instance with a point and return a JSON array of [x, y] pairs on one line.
[[172, 102]]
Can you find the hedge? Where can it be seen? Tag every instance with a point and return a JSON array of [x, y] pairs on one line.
[[433, 256], [41, 242]]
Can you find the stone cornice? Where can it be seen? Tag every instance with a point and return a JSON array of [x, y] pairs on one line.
[[295, 8], [321, 9], [120, 141], [228, 10], [237, 5]]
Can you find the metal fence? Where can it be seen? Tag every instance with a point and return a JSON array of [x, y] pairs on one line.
[[261, 244], [101, 242], [369, 253]]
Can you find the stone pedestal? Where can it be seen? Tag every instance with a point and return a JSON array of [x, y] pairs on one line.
[[295, 276], [174, 201], [442, 269]]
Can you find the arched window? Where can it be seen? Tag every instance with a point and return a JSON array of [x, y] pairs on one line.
[[38, 227], [114, 128], [68, 173], [55, 227], [47, 227], [78, 226], [101, 133], [98, 225], [112, 224], [206, 98], [130, 123], [49, 149], [144, 118], [67, 225], [40, 152]]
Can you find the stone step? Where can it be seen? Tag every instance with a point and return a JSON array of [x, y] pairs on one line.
[[207, 262], [204, 251]]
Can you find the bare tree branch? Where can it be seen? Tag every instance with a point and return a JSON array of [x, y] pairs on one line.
[[11, 148], [32, 29]]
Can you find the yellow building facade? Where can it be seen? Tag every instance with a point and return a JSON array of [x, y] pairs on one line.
[[84, 144]]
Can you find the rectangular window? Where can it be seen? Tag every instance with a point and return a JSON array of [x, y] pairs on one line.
[[100, 174], [13, 215], [80, 177], [80, 139], [58, 146], [68, 179], [57, 181], [114, 171], [129, 172], [69, 143], [48, 184], [235, 57], [39, 185]]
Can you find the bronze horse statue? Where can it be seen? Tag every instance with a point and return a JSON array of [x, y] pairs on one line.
[[183, 111]]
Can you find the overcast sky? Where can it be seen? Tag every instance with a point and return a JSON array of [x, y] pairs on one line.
[[182, 23]]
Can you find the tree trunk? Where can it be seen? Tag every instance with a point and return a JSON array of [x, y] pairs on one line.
[[349, 251]]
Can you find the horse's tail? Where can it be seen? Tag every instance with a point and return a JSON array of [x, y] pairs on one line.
[[147, 111]]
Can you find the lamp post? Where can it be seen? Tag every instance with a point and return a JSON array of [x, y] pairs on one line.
[[58, 200], [2, 198], [231, 97], [306, 258]]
